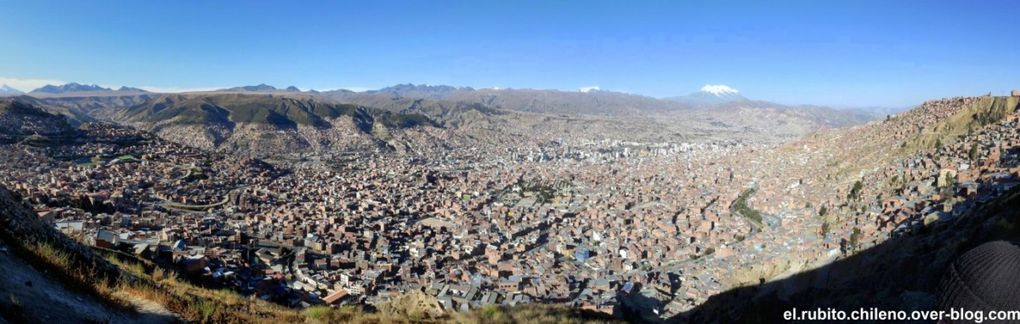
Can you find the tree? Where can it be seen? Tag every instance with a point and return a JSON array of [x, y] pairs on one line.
[[855, 192], [946, 179], [855, 238]]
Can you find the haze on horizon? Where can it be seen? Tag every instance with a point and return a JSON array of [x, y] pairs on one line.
[[863, 53]]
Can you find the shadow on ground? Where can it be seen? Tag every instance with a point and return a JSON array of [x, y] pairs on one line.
[[901, 273]]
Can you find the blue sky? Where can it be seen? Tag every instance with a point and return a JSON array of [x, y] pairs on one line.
[[846, 53]]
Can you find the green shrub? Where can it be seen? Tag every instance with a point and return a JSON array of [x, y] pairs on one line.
[[855, 192], [318, 313], [740, 207]]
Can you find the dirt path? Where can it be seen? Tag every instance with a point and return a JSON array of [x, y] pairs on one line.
[[150, 311], [27, 294]]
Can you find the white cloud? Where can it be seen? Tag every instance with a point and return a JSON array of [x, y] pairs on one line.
[[177, 89], [588, 89], [718, 89], [359, 89], [355, 89], [26, 85]]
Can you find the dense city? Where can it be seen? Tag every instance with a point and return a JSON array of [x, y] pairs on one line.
[[605, 226]]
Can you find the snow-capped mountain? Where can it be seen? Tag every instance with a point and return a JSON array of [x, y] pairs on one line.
[[711, 94], [7, 91], [719, 90], [70, 87]]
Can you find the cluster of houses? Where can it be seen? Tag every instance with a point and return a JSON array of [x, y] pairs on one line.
[[604, 226]]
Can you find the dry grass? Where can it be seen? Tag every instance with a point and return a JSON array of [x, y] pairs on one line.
[[351, 314], [201, 305], [196, 304], [76, 273], [408, 308], [415, 306], [526, 314], [145, 281]]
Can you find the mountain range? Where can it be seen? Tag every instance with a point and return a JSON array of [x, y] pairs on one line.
[[7, 91], [212, 119], [532, 100], [262, 87], [69, 87], [75, 89], [710, 95], [725, 109]]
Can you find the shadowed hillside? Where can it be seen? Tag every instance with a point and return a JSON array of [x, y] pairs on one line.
[[901, 273], [949, 184], [261, 124], [282, 112], [23, 119]]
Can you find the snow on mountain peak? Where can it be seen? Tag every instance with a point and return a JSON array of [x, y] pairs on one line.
[[719, 89], [6, 90]]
